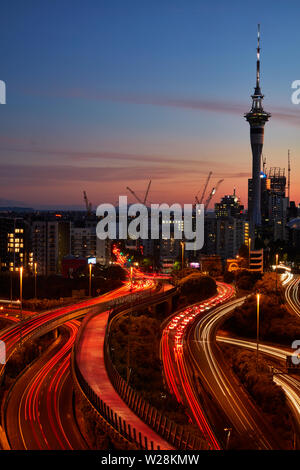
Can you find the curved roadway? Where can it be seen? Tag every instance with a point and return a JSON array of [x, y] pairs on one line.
[[39, 409]]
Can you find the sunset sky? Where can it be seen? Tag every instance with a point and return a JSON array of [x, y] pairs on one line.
[[107, 94]]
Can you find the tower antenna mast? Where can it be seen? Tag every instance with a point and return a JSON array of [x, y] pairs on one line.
[[258, 58]]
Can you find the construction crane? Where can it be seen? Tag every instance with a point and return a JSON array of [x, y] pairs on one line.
[[138, 198], [211, 194], [88, 204], [199, 201]]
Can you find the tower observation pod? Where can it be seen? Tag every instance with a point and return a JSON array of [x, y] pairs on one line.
[[257, 117]]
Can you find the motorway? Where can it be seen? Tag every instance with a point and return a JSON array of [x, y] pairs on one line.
[[90, 360], [240, 414], [290, 384], [12, 335], [39, 412], [43, 394], [39, 409], [176, 369], [292, 296], [196, 374]]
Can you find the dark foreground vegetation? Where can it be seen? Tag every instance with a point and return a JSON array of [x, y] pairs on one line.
[[92, 430], [104, 279], [195, 287], [276, 323], [267, 395]]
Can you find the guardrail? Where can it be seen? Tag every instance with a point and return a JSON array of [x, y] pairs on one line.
[[45, 328], [55, 323], [165, 427], [116, 422], [161, 424]]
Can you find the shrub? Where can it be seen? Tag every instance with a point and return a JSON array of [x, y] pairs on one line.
[[196, 287]]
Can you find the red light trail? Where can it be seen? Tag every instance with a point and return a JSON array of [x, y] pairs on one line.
[[175, 367]]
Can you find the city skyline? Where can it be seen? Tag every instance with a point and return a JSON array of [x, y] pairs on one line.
[[168, 327], [101, 111]]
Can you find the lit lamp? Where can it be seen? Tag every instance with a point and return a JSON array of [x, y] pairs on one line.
[[35, 272], [182, 254], [21, 298], [90, 279], [21, 287], [257, 328], [276, 268], [131, 273], [249, 250]]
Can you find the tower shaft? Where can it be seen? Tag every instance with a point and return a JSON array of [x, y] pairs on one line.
[[257, 118]]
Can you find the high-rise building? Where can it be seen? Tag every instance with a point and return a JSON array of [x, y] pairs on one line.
[[83, 240], [275, 202], [231, 234], [293, 211], [14, 244], [229, 206], [293, 229], [257, 117], [50, 243]]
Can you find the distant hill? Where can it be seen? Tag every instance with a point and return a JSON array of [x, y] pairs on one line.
[[16, 209]]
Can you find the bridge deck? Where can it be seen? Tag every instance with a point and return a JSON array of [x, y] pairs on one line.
[[90, 360]]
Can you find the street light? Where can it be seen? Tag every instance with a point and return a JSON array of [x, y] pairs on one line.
[[90, 279], [182, 254], [249, 240], [228, 431], [21, 299], [21, 286], [257, 328], [35, 272], [131, 274], [276, 258]]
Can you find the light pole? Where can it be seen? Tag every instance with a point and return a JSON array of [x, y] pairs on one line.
[[11, 283], [182, 254], [228, 431], [90, 279], [35, 272], [21, 287], [21, 300], [131, 273], [276, 258], [257, 329], [249, 251]]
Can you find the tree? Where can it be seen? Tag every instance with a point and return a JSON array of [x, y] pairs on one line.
[[196, 287], [267, 284], [244, 251]]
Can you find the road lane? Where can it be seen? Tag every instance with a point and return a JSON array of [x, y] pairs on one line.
[[37, 413]]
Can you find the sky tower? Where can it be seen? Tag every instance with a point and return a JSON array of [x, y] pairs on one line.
[[257, 118]]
